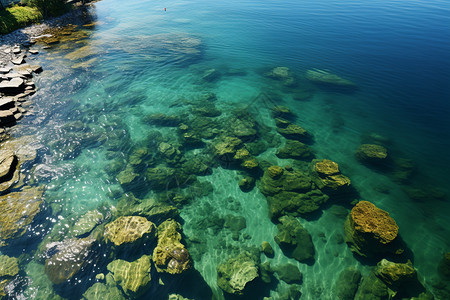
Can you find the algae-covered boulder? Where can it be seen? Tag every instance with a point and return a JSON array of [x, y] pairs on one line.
[[170, 255], [129, 230], [87, 222], [371, 153], [346, 285], [282, 74], [326, 78], [17, 211], [226, 146], [162, 178], [100, 291], [444, 266], [235, 274], [71, 256], [9, 266], [371, 230], [134, 277], [289, 273], [161, 119], [276, 180], [246, 184], [151, 209], [267, 249], [327, 177], [295, 149], [294, 132], [295, 204], [294, 239], [372, 288], [395, 274]]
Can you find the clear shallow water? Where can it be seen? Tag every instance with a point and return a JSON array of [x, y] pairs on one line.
[[147, 59]]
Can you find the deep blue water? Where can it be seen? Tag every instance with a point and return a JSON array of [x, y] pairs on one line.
[[144, 59]]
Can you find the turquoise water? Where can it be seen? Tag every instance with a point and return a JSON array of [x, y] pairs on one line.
[[147, 57]]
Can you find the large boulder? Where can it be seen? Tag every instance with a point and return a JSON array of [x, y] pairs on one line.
[[289, 273], [327, 177], [9, 266], [294, 240], [282, 74], [86, 223], [395, 274], [72, 255], [371, 153], [151, 209], [134, 277], [347, 283], [295, 149], [370, 230], [236, 274], [100, 291], [18, 210], [130, 229], [170, 255], [372, 288]]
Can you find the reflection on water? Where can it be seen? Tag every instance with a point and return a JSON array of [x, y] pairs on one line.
[[163, 158]]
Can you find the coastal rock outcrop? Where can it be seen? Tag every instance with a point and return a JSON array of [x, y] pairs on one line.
[[370, 230], [237, 273]]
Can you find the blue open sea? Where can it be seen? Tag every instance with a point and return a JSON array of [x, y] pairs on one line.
[[202, 63]]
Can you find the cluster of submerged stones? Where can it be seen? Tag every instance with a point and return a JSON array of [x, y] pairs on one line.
[[149, 229]]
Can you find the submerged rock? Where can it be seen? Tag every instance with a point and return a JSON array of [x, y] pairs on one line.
[[370, 230], [327, 78], [134, 277], [283, 74], [72, 256], [100, 291], [161, 119], [9, 266], [17, 211], [295, 149], [126, 230], [87, 222], [395, 274], [327, 177], [267, 249], [170, 255], [346, 285], [234, 275], [289, 273], [294, 132], [373, 288], [294, 240], [444, 266], [371, 153]]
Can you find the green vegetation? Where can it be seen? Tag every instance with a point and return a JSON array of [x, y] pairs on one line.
[[29, 12], [18, 16]]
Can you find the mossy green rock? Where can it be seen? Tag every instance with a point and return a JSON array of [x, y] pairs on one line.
[[395, 274], [295, 149], [129, 229], [235, 274], [18, 210], [86, 223], [276, 180], [151, 209], [100, 291], [346, 285], [170, 255], [162, 178], [295, 204], [372, 288], [134, 277], [267, 249], [444, 266], [289, 273], [294, 132], [327, 177], [71, 257], [127, 176], [9, 266], [294, 239], [161, 119], [371, 153], [247, 184], [282, 74]]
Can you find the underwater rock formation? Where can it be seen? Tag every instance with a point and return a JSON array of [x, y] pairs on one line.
[[134, 277], [267, 249], [129, 229], [87, 222], [9, 268], [327, 78], [395, 274], [370, 230], [72, 255], [371, 153], [100, 291], [444, 266], [289, 192], [289, 273], [346, 285], [372, 288], [17, 211], [161, 119], [170, 255], [129, 205], [295, 149], [282, 74], [294, 240], [326, 175], [234, 275]]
